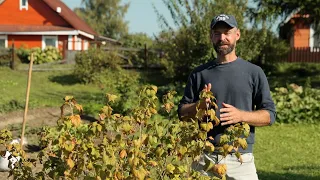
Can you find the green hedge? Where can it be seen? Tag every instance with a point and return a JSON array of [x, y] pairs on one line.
[[296, 104]]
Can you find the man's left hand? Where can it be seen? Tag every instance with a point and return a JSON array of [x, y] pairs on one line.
[[230, 115]]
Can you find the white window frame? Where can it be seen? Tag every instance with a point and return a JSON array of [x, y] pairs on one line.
[[5, 37], [44, 42], [24, 6]]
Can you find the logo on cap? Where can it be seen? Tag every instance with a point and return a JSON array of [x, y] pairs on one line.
[[222, 17]]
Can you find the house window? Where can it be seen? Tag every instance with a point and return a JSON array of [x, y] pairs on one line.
[[23, 4], [3, 42], [49, 41]]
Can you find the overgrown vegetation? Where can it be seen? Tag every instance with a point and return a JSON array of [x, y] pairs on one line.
[[133, 146]]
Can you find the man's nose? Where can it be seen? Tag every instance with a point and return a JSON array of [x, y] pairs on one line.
[[222, 37]]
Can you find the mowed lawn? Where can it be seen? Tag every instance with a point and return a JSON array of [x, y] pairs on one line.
[[288, 151], [47, 89]]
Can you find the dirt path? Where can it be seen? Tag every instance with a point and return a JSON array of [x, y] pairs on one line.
[[36, 117]]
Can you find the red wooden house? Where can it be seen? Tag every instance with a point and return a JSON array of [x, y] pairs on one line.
[[298, 30], [41, 23]]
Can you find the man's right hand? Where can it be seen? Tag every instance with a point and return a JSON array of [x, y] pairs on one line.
[[190, 110]]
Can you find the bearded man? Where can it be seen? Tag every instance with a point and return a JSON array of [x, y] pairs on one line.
[[242, 93]]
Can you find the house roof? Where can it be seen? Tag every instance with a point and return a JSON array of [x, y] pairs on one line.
[[71, 17], [32, 28]]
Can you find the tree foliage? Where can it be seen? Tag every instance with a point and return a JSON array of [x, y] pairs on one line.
[[106, 17], [188, 45], [285, 8]]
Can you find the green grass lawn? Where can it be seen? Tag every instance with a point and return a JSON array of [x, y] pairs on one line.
[[47, 89], [288, 152]]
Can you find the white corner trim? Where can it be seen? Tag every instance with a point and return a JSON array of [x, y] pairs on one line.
[[78, 43], [24, 6], [70, 42], [86, 34], [44, 44], [85, 45], [311, 38]]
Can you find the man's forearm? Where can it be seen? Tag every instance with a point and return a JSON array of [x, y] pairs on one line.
[[188, 110], [257, 118]]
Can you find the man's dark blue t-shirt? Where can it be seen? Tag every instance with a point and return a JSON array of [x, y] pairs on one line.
[[238, 83]]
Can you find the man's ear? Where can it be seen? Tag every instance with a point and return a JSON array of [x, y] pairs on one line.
[[238, 34]]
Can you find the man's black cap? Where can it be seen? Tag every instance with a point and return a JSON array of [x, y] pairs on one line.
[[228, 19]]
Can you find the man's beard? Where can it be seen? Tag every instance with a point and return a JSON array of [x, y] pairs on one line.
[[223, 51]]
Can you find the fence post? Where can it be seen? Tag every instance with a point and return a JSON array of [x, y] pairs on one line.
[[12, 64]]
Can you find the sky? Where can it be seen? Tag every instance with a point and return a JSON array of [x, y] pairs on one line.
[[140, 16]]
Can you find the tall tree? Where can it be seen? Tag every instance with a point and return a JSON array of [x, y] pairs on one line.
[[105, 16], [285, 8]]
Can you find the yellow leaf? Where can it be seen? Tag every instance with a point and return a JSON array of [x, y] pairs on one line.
[[90, 165], [211, 113], [159, 151], [243, 143], [209, 146], [153, 111], [78, 107], [183, 150], [170, 168], [155, 88], [70, 163], [201, 113], [126, 118], [206, 126], [123, 154], [68, 98], [202, 135], [220, 169], [111, 97], [126, 127], [224, 139], [116, 116], [75, 120], [153, 163]]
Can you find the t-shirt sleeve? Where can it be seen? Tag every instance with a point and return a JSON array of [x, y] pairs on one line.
[[189, 93], [262, 97]]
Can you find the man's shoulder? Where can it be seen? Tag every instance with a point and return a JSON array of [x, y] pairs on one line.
[[203, 67], [249, 65]]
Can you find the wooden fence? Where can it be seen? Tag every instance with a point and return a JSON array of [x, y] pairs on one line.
[[304, 54], [7, 57]]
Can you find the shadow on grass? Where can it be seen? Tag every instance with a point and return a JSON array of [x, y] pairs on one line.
[[263, 175], [68, 79]]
